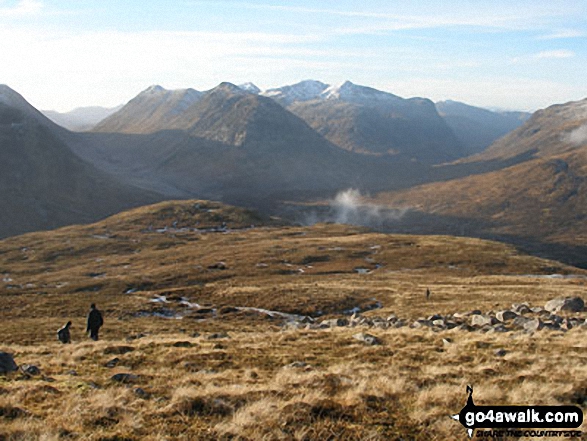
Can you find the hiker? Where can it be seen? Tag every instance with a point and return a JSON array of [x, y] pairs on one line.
[[427, 293], [63, 334], [95, 321]]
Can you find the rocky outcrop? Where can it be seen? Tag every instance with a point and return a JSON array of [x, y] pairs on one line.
[[571, 304], [521, 317]]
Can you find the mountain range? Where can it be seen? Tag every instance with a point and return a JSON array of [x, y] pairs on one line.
[[306, 142]]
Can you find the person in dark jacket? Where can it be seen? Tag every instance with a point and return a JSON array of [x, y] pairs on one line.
[[95, 321], [63, 334]]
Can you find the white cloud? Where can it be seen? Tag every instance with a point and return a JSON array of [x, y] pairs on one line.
[[561, 34], [561, 53], [22, 8]]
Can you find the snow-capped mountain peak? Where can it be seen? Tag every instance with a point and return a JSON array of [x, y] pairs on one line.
[[351, 92], [303, 91], [250, 87], [154, 89]]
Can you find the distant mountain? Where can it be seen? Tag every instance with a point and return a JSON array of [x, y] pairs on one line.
[[303, 91], [250, 87], [80, 119], [150, 110], [368, 121], [478, 128], [43, 184], [226, 144], [540, 199]]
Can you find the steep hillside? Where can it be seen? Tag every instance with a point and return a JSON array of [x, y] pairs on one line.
[[478, 128], [542, 200], [43, 184], [153, 109], [555, 130]]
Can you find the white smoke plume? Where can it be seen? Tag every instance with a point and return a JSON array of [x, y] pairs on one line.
[[578, 136], [350, 207]]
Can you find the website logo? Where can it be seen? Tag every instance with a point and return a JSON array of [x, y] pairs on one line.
[[518, 418]]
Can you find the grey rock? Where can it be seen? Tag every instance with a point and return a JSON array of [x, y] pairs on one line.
[[140, 392], [367, 338], [480, 320], [520, 321], [533, 325], [421, 323], [112, 363], [392, 318], [500, 352], [504, 316], [30, 369], [521, 308], [7, 363], [571, 304], [297, 364], [553, 326], [334, 323], [182, 344], [217, 335], [439, 322], [500, 327], [125, 378]]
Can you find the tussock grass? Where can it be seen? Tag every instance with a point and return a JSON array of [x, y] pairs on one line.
[[261, 381]]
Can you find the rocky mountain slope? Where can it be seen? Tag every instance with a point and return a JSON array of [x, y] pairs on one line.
[[542, 198], [42, 183]]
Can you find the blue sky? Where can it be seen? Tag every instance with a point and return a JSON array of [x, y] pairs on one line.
[[524, 55]]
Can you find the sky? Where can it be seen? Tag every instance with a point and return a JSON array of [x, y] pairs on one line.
[[516, 55]]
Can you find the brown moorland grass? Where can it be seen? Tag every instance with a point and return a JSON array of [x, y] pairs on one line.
[[259, 380]]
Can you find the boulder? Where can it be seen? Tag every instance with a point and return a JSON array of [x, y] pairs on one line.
[[571, 304], [520, 321], [392, 318], [521, 308], [30, 369], [481, 320], [499, 327], [7, 363], [217, 335], [334, 323], [533, 325], [125, 378], [367, 338], [504, 316], [112, 363], [421, 323]]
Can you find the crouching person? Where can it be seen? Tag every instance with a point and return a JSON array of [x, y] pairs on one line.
[[63, 334]]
